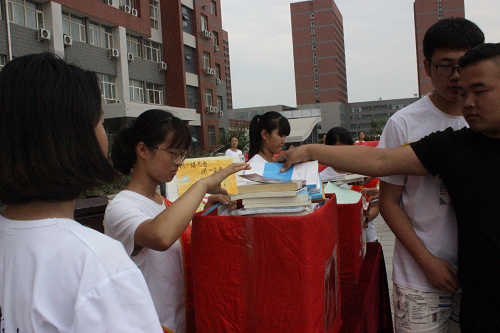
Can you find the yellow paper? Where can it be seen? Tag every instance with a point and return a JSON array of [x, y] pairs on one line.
[[194, 169]]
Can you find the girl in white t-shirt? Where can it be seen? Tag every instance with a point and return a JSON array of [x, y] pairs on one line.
[[57, 275], [268, 134], [233, 149], [154, 231]]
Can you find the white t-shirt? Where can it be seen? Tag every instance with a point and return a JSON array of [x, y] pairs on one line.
[[59, 276], [370, 232], [163, 270], [257, 159], [229, 152], [424, 199]]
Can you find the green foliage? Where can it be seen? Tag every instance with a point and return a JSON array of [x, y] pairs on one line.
[[241, 132], [108, 189], [376, 127]]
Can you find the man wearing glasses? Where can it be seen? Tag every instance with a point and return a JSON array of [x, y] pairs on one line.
[[418, 209]]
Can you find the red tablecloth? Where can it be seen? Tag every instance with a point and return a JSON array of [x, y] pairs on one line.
[[366, 306]]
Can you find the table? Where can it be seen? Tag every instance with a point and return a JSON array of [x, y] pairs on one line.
[[366, 306]]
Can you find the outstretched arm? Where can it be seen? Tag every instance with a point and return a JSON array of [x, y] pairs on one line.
[[440, 273], [358, 159], [162, 231]]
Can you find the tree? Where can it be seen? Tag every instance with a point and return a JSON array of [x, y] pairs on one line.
[[376, 127], [241, 132]]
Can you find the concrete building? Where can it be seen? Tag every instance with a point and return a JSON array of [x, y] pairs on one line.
[[318, 50], [426, 13], [148, 54], [358, 117]]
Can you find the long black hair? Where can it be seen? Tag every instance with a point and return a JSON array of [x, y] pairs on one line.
[[269, 121]]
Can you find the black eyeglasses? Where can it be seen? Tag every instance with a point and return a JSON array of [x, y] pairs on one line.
[[175, 155], [445, 70]]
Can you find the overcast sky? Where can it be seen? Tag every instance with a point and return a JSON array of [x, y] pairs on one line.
[[379, 46]]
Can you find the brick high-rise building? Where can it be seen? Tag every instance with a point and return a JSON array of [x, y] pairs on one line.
[[426, 13], [318, 50], [163, 54]]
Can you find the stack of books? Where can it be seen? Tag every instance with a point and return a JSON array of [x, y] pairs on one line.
[[272, 197]]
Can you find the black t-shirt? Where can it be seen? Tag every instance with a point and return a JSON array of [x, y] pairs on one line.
[[469, 164]]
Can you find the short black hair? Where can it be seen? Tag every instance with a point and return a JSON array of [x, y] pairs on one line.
[[152, 127], [479, 53], [48, 113], [269, 121], [454, 33], [338, 134]]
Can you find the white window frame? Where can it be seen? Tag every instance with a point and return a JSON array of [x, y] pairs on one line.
[[104, 33], [203, 22], [107, 83], [219, 102], [217, 71], [152, 51], [155, 90], [213, 7], [211, 135], [208, 97], [134, 45], [72, 25], [206, 59], [28, 9], [154, 14], [136, 89]]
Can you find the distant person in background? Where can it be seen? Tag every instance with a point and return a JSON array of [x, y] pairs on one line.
[[339, 136], [268, 134], [55, 274], [361, 137], [233, 149], [323, 138], [418, 209]]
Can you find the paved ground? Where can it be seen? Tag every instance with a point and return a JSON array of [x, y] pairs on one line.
[[387, 239]]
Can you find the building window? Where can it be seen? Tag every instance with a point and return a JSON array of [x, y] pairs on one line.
[[208, 97], [217, 71], [315, 62], [136, 91], [219, 103], [155, 93], [131, 3], [313, 31], [152, 51], [314, 55], [313, 39], [74, 26], [134, 45], [440, 15], [213, 8], [440, 7], [314, 46], [211, 135], [3, 61], [27, 13], [187, 20], [316, 86], [192, 97], [206, 59], [100, 35], [216, 39], [311, 16], [190, 63], [108, 88], [154, 13], [204, 22], [315, 78], [312, 23], [315, 70]]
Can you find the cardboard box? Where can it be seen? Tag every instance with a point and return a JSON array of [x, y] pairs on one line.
[[267, 274]]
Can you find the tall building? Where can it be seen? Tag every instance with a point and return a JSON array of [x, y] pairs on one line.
[[318, 50], [164, 54], [426, 13]]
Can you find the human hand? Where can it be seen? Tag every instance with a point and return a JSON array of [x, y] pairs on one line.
[[293, 156], [213, 181], [372, 192], [223, 199], [441, 274]]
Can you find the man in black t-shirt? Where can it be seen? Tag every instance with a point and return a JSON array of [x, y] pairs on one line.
[[468, 160]]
